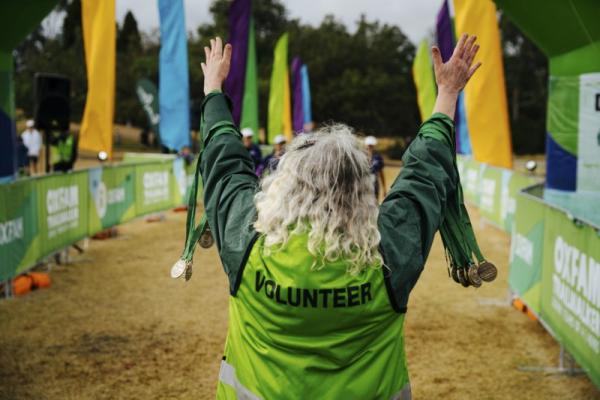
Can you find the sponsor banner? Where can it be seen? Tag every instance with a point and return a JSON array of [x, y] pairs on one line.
[[39, 216], [470, 179], [154, 187], [19, 242], [62, 210], [512, 184], [493, 190], [490, 195], [588, 150], [112, 197], [137, 158], [190, 172], [179, 184], [527, 247], [460, 165], [570, 301]]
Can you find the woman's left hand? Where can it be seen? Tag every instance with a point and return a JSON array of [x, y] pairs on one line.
[[216, 67]]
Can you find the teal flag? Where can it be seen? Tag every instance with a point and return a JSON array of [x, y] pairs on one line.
[[174, 103], [148, 96]]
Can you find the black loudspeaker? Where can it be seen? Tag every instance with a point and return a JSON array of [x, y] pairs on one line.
[[52, 107]]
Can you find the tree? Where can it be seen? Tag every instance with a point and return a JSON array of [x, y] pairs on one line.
[[128, 37], [60, 55], [129, 51], [526, 70], [71, 30]]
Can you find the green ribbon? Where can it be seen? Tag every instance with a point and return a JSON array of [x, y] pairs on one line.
[[193, 232], [458, 237]]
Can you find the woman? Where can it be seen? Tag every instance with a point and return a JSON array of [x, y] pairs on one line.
[[319, 276]]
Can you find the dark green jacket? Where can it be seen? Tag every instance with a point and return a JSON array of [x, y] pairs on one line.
[[408, 218]]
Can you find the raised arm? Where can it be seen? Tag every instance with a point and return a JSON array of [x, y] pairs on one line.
[[227, 169], [414, 208]]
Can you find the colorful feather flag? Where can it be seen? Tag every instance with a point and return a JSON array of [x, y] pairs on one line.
[[280, 113], [99, 37]]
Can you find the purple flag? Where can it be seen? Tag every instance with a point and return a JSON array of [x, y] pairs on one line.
[[445, 41], [239, 22], [445, 34], [298, 111]]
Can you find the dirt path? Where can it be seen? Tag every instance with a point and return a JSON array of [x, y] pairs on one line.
[[115, 326]]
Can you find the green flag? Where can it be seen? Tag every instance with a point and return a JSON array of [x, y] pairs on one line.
[[279, 96], [422, 70], [250, 100]]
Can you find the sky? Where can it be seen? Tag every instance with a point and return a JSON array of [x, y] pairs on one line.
[[414, 17]]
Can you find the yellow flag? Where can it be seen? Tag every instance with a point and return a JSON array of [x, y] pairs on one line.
[[485, 94], [99, 37], [280, 109]]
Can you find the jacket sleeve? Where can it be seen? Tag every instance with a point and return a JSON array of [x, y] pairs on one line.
[[229, 186], [414, 208]]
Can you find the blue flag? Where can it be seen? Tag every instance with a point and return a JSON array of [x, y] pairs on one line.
[[173, 92], [306, 106]]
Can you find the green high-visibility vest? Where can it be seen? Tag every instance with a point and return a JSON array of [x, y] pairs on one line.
[[300, 333], [62, 150]]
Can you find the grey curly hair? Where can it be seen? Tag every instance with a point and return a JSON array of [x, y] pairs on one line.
[[323, 187]]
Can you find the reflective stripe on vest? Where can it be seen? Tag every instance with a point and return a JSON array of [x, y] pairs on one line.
[[227, 376]]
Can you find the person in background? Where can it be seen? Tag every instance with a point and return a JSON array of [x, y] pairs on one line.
[[32, 139], [22, 158], [63, 149], [272, 160], [253, 149], [187, 155], [376, 162]]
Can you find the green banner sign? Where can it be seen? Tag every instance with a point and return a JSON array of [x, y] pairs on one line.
[[511, 186], [490, 191], [19, 241], [112, 197], [62, 210], [570, 298], [155, 187], [470, 179], [39, 216], [527, 248], [190, 171], [180, 187], [493, 190]]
